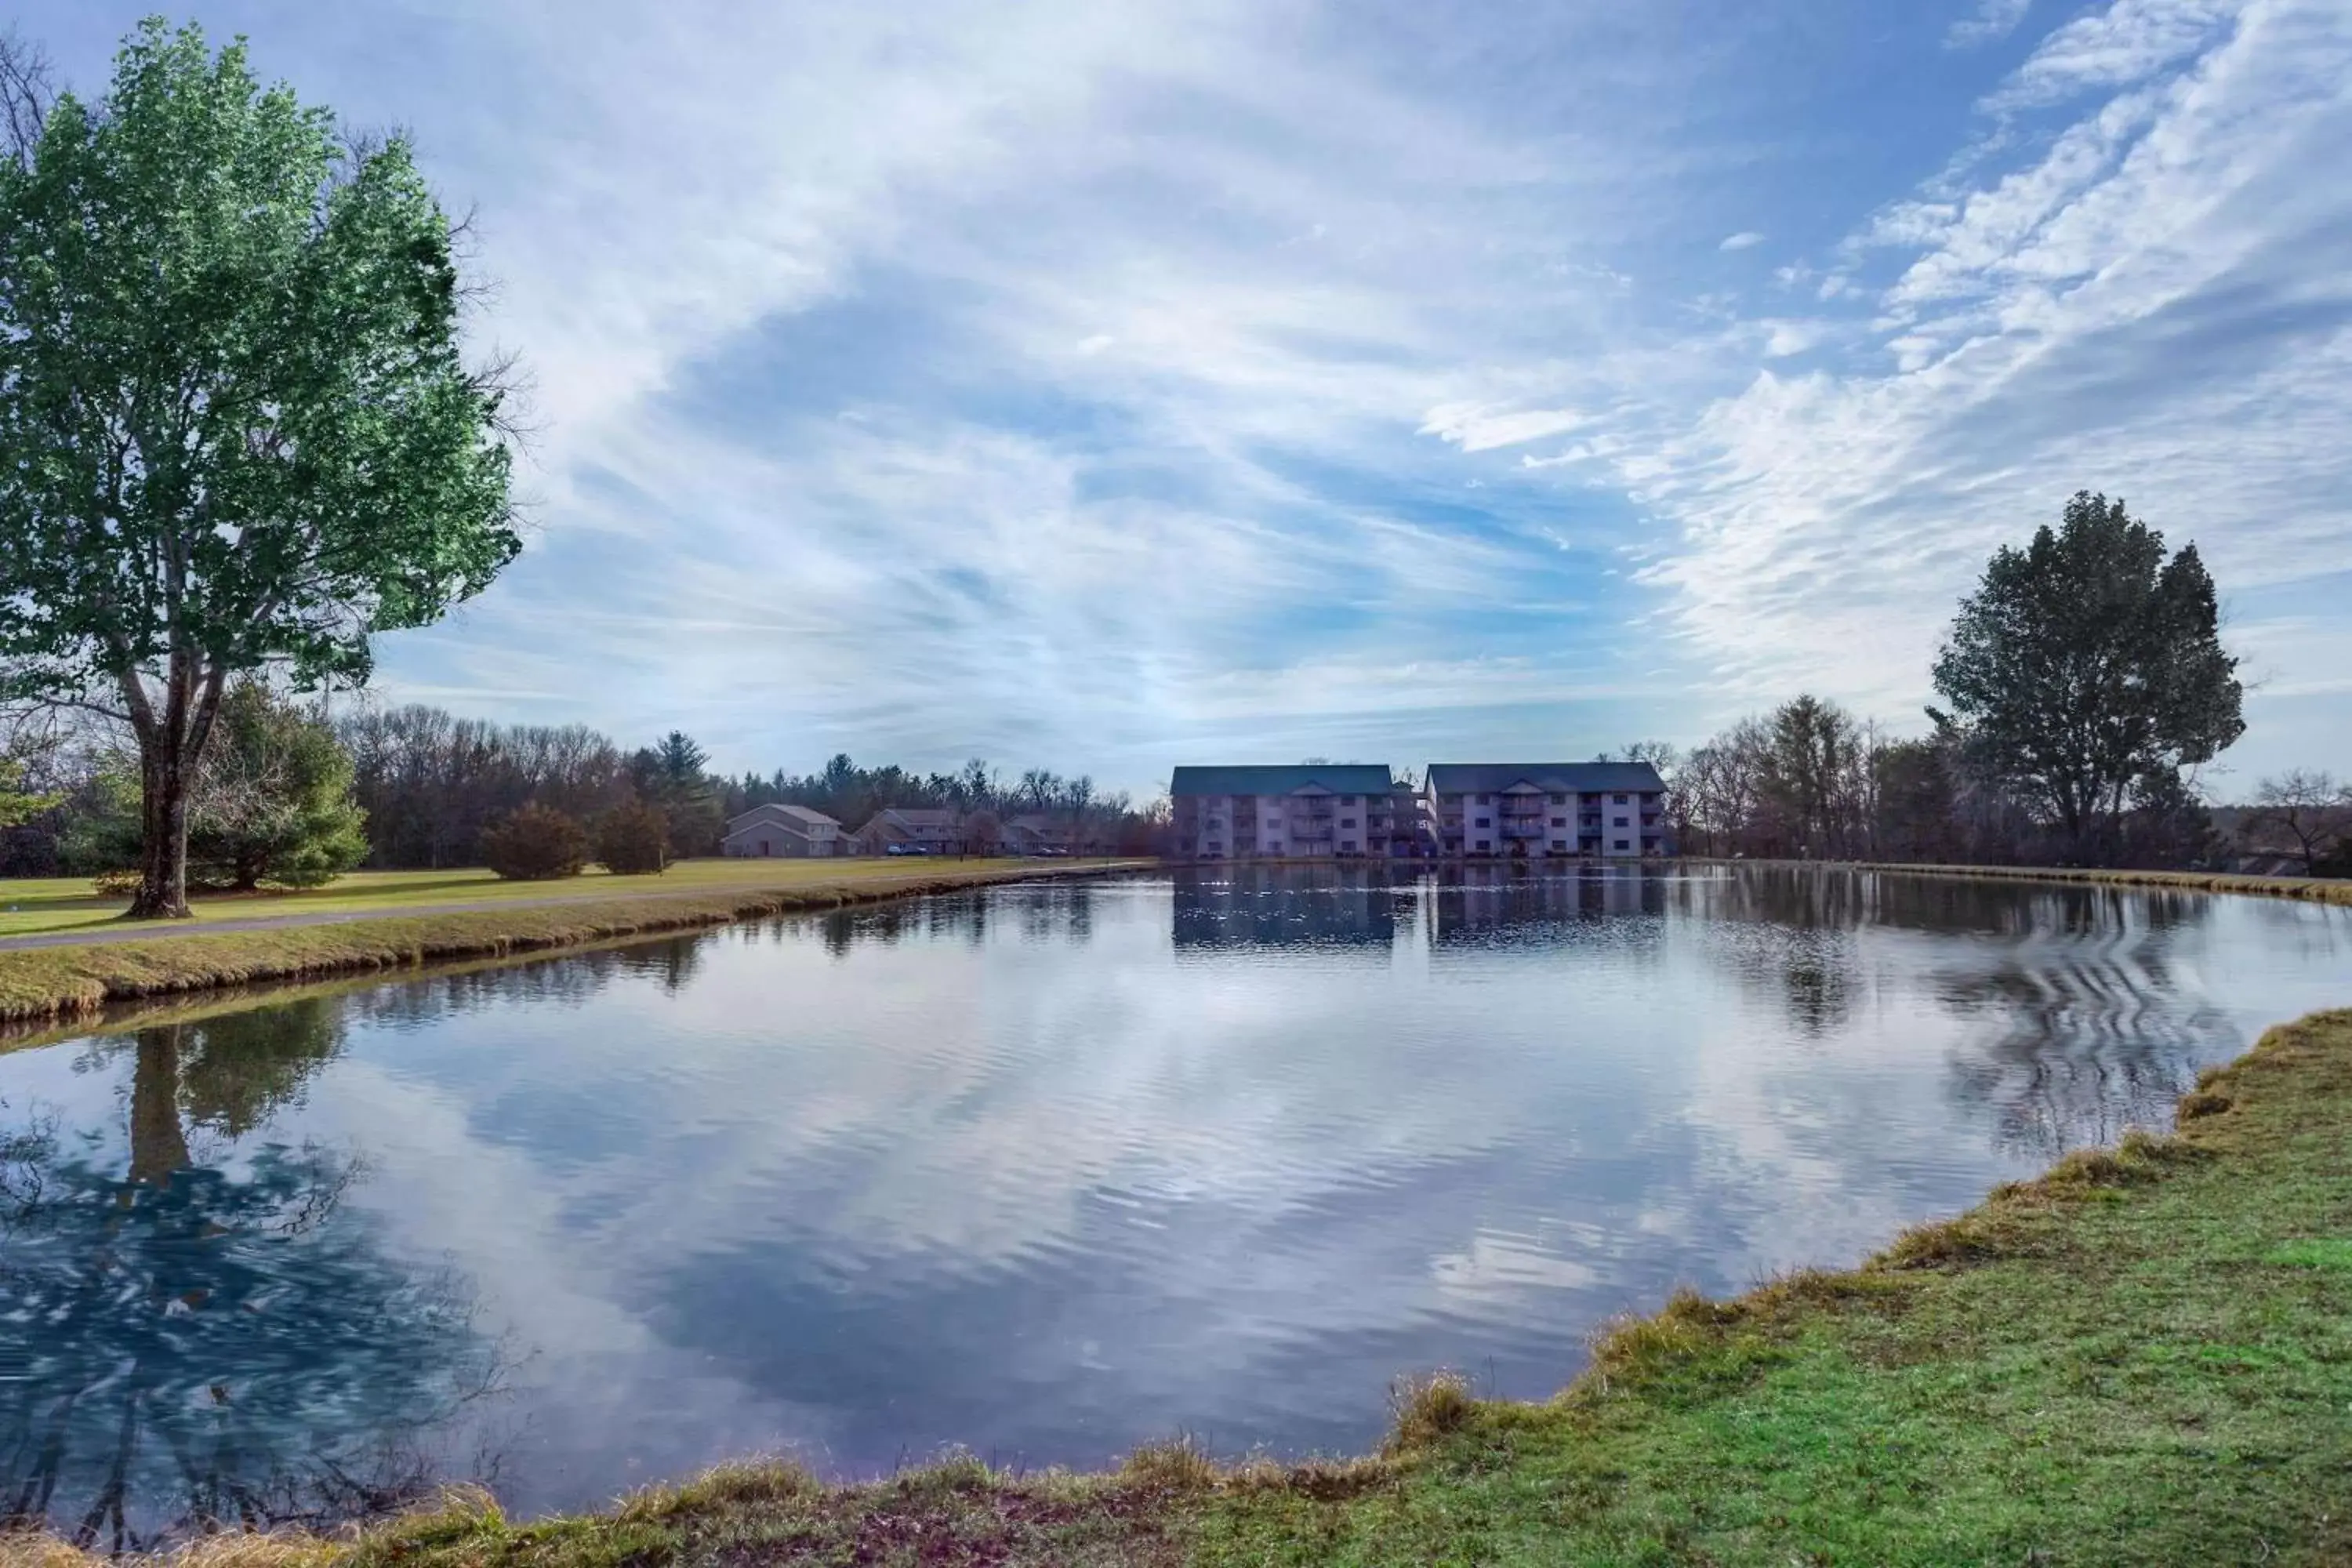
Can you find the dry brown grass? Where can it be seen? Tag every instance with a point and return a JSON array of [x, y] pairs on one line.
[[1426, 1408]]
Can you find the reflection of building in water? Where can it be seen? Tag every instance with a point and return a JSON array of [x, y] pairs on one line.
[[1292, 907], [1473, 903]]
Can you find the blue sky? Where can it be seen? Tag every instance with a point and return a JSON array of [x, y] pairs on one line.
[[1110, 386]]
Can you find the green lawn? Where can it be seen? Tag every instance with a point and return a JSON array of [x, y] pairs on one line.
[[30, 905]]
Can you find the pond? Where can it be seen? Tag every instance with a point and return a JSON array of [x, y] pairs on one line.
[[1044, 1170]]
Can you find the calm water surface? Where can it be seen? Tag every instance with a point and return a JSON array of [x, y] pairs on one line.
[[1045, 1171]]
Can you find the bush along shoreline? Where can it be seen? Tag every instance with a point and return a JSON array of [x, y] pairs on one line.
[[2142, 1357], [78, 978]]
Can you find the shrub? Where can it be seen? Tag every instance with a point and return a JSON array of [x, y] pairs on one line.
[[633, 839], [535, 844]]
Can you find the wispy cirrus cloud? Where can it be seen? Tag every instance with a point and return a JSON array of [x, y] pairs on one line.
[[2131, 307], [1991, 21], [1109, 389]]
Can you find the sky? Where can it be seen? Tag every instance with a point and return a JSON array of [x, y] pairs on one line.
[[1106, 387]]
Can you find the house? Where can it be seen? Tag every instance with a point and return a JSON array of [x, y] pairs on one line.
[[793, 832], [1314, 811], [1036, 833], [910, 830], [1547, 810]]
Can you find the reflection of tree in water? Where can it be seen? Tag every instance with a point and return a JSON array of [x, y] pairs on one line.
[[940, 916], [673, 963], [222, 1342], [569, 981], [1053, 911], [1813, 973], [2076, 1049], [1825, 898]]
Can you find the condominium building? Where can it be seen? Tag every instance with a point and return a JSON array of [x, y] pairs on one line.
[[1309, 812], [1547, 810]]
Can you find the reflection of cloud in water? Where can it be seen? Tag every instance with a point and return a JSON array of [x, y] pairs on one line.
[[1053, 1171]]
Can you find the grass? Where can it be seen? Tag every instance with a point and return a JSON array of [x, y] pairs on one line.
[[2143, 1357], [81, 977], [32, 906]]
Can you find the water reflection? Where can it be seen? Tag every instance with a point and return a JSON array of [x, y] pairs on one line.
[[1257, 907], [1045, 1171], [198, 1332]]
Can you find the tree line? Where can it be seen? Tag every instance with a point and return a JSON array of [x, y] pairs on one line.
[[2080, 687], [291, 796]]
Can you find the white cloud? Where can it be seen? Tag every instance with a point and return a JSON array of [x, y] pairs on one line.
[[943, 378], [2143, 316], [1476, 429], [2127, 42], [1992, 21]]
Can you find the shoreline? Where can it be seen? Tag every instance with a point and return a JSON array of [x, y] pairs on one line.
[[2143, 1355], [78, 979], [2308, 889]]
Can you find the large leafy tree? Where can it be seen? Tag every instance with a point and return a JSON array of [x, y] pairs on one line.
[[236, 429], [2088, 668]]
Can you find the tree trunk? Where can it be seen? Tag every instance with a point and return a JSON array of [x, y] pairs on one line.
[[162, 836], [158, 1147]]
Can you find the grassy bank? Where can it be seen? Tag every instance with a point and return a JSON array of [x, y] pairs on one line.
[[2143, 1357], [37, 906], [2315, 889], [82, 977]]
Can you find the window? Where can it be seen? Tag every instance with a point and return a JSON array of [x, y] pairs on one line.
[[1346, 822], [1620, 822], [1618, 800], [1351, 800], [1559, 822], [1486, 800], [1621, 844], [1485, 822]]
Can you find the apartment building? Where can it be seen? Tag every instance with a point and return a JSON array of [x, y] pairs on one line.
[[1310, 812], [1547, 810]]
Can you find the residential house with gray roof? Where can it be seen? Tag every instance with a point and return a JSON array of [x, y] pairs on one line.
[[911, 830], [791, 832]]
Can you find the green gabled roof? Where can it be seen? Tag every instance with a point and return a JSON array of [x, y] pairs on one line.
[[1345, 778]]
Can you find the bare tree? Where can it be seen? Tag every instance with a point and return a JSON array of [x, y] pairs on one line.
[[2310, 809], [28, 89]]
